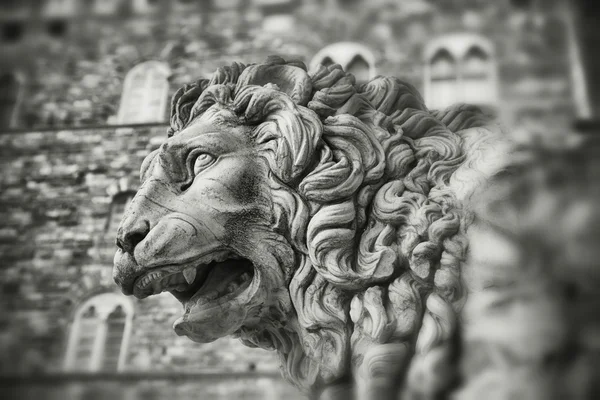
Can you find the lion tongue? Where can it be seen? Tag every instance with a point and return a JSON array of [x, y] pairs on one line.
[[216, 283]]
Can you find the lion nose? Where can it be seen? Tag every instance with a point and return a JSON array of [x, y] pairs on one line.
[[130, 233]]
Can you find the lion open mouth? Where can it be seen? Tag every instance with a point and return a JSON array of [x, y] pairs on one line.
[[215, 279]]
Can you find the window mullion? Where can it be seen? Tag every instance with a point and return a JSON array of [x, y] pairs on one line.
[[98, 352], [460, 87], [147, 94], [124, 342], [73, 343]]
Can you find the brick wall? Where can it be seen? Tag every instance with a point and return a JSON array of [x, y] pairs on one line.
[[244, 386], [76, 79]]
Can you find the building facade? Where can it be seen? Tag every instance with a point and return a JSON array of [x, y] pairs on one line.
[[85, 88]]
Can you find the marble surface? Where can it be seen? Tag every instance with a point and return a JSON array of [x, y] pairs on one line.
[[325, 220]]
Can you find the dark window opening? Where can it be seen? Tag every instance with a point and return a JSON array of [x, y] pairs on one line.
[[443, 66], [57, 28], [475, 63], [12, 31], [115, 329], [327, 61], [89, 313], [521, 4], [359, 67], [88, 328]]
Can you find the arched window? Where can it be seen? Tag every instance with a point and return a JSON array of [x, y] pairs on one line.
[[115, 331], [443, 80], [86, 338], [353, 57], [477, 77], [443, 66], [9, 99], [460, 68], [100, 334], [145, 94]]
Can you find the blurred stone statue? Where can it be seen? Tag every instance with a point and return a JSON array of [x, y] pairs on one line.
[[330, 222]]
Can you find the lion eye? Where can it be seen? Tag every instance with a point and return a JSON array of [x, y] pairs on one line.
[[204, 160]]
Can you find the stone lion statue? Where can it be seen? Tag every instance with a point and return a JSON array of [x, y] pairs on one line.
[[316, 217]]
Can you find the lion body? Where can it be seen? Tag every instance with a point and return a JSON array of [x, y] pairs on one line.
[[372, 194]]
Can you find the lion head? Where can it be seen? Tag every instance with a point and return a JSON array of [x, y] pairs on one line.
[[310, 215]]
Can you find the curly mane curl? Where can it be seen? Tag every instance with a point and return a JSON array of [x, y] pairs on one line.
[[361, 185]]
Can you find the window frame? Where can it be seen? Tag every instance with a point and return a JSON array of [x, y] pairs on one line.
[[344, 53], [104, 304], [460, 46], [154, 67]]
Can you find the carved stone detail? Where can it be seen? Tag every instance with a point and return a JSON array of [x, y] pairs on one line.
[[320, 218]]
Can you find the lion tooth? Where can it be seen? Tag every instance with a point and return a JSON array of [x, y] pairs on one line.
[[189, 274], [181, 288], [146, 281]]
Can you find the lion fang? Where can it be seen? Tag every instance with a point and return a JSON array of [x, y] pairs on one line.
[[189, 274]]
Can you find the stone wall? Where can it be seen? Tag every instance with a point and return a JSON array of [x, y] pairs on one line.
[[75, 79]]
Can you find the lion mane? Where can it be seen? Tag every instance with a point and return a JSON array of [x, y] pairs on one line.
[[363, 180]]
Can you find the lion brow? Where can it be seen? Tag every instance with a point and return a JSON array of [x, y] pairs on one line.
[[171, 161]]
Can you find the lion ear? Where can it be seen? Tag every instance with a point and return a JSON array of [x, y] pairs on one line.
[[290, 77]]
